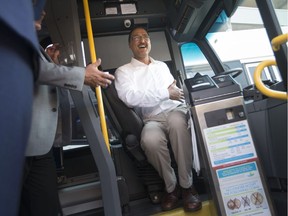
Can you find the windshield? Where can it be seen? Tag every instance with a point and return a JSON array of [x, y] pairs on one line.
[[240, 41]]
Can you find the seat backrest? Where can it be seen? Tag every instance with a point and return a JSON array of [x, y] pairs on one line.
[[126, 120]]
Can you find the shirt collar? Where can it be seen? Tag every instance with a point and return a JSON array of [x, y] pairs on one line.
[[135, 62]]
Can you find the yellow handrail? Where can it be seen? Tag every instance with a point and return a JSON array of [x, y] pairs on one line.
[[277, 41], [97, 89], [261, 87]]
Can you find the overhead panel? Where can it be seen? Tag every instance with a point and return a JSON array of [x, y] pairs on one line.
[[186, 16], [119, 17]]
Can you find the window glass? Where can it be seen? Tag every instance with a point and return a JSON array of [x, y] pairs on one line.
[[239, 41], [194, 60]]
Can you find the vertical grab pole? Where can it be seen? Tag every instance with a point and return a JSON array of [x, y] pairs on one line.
[[93, 59]]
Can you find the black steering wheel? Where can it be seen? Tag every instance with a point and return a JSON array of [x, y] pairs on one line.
[[235, 72]]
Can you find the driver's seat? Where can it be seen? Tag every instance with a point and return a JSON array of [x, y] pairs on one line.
[[130, 125]]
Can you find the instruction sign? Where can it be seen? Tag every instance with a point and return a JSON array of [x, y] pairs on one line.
[[230, 144]]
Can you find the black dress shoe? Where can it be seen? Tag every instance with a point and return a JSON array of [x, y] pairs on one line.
[[170, 200], [191, 199]]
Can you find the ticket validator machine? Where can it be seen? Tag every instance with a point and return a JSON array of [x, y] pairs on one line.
[[226, 146]]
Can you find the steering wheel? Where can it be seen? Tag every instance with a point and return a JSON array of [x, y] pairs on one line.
[[235, 72]]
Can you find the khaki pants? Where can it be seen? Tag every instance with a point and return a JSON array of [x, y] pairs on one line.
[[169, 127]]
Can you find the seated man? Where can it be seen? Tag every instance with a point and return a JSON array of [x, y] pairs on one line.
[[148, 86]]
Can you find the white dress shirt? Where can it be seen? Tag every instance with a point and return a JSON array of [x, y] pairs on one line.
[[145, 87]]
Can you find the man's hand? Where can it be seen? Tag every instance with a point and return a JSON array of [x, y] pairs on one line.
[[95, 77], [175, 93]]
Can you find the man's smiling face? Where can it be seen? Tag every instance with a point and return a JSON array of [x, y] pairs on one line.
[[140, 44]]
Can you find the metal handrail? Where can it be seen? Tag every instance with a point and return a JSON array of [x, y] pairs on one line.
[[260, 85], [277, 41], [93, 59]]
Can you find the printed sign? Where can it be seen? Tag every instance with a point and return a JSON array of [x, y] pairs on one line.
[[229, 144], [242, 190]]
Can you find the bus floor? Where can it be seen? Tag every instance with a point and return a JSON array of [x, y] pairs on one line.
[[144, 207]]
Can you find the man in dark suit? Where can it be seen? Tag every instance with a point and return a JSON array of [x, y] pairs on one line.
[[18, 69]]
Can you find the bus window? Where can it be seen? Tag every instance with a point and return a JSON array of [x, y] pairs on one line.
[[240, 41], [194, 60]]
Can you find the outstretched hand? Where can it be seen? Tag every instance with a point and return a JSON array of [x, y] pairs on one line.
[[95, 77], [175, 93]]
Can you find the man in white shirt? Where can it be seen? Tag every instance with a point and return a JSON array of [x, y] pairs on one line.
[[148, 86]]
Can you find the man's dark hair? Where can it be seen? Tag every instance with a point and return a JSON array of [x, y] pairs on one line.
[[134, 28]]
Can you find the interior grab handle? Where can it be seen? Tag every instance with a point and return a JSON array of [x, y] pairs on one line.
[[277, 41], [260, 85], [97, 89]]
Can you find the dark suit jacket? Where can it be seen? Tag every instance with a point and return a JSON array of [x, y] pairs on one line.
[[18, 15], [19, 53]]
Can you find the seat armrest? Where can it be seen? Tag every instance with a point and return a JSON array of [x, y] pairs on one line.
[[134, 148]]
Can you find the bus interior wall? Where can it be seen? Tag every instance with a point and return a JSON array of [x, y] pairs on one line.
[[112, 47]]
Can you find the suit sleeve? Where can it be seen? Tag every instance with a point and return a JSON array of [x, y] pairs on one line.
[[61, 76]]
